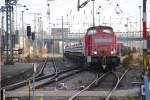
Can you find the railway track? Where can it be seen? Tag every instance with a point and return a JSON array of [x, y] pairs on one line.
[[41, 81], [116, 85], [24, 82], [60, 76], [98, 78]]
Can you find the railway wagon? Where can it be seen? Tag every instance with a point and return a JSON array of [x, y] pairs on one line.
[[98, 48]]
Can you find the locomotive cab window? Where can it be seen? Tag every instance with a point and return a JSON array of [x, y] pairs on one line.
[[110, 31], [92, 31]]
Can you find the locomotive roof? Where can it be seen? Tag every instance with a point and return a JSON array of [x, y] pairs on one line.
[[100, 27]]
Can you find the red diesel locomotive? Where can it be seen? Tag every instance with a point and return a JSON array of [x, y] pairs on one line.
[[99, 48]]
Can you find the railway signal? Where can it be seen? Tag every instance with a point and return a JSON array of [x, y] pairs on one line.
[[19, 51], [33, 36], [28, 31]]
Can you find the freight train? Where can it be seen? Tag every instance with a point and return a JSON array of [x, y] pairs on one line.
[[99, 48]]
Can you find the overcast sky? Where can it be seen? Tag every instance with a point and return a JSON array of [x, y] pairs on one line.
[[58, 8]]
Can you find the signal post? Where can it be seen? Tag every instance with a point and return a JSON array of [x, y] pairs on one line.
[[145, 53]]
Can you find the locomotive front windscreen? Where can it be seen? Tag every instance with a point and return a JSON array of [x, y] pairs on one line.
[[92, 31], [107, 30], [101, 29]]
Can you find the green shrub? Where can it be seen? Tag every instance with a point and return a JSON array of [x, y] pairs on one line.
[[127, 60], [127, 98]]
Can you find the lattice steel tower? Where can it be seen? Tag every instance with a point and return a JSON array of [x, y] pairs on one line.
[[9, 46]]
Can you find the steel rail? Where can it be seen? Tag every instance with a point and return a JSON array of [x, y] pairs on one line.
[[20, 84], [48, 77], [55, 67], [115, 87], [41, 71], [60, 77], [87, 87], [59, 72], [30, 78], [54, 76], [40, 78]]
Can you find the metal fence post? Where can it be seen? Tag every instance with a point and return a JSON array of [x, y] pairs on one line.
[[33, 87], [3, 94], [29, 89], [147, 91]]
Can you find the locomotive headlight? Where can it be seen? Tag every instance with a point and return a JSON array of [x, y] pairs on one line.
[[112, 52], [95, 52]]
